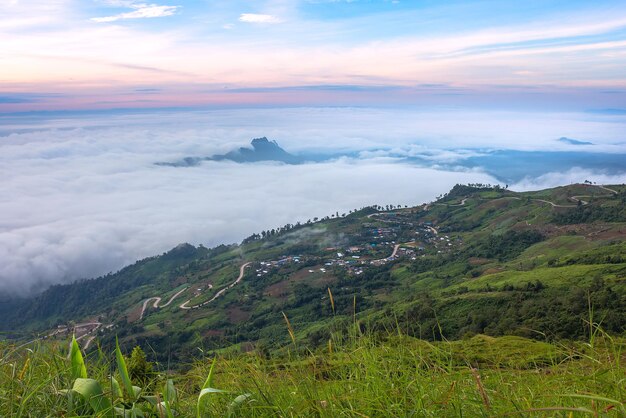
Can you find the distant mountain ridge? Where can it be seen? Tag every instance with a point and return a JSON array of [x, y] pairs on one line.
[[262, 150], [571, 141], [502, 164]]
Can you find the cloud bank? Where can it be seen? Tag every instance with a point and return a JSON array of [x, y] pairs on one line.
[[83, 201], [81, 196]]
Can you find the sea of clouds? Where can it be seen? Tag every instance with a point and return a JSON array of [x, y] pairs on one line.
[[81, 196]]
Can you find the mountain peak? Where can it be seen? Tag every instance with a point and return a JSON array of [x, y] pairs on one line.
[[571, 141], [262, 142], [262, 150]]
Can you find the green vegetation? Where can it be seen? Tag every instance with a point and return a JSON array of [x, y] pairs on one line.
[[355, 374], [494, 302]]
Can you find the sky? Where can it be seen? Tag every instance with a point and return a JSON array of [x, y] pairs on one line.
[[405, 93], [105, 54]]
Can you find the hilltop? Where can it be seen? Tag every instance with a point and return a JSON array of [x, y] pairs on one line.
[[262, 150], [479, 260]]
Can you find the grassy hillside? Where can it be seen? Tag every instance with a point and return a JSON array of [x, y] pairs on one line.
[[354, 375], [486, 302], [480, 260]]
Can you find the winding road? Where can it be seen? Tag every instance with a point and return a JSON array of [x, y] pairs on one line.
[[88, 342], [157, 300], [393, 254], [606, 188], [218, 294], [183, 305], [455, 204], [577, 199]]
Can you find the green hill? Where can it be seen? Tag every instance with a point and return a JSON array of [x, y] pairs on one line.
[[479, 260]]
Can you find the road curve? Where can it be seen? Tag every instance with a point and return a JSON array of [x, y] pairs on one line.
[[218, 294], [607, 189], [395, 251], [393, 254], [157, 300], [89, 340], [455, 204]]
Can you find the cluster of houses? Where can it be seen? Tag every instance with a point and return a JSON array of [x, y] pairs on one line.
[[354, 258], [407, 252], [267, 266], [442, 243], [383, 233]]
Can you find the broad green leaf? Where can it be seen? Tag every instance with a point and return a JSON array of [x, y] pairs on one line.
[[169, 391], [115, 388], [169, 395], [121, 412], [204, 392], [151, 399], [92, 392], [76, 359], [237, 402], [206, 389], [136, 412], [121, 367], [129, 413]]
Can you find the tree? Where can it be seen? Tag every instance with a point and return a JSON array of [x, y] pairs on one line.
[[139, 368]]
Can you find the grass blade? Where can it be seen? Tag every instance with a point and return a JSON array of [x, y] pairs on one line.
[[206, 389], [121, 367], [209, 380], [292, 335], [76, 359]]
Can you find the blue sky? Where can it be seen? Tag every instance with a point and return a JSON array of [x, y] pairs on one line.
[[101, 54]]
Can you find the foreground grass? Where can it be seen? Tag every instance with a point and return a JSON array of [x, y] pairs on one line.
[[358, 376]]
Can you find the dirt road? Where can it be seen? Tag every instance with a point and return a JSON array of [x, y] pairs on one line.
[[157, 300], [218, 294]]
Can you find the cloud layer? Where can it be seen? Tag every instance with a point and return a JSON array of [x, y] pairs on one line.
[[84, 201], [81, 196]]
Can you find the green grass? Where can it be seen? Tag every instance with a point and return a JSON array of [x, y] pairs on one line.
[[354, 375], [580, 275], [381, 373]]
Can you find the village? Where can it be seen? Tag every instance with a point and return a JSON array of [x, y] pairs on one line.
[[387, 237]]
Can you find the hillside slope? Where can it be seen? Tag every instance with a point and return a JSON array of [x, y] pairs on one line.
[[480, 260]]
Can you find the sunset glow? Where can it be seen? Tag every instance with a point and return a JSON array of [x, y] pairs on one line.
[[69, 54]]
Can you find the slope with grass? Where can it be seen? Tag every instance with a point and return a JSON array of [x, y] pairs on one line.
[[355, 374], [481, 260]]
